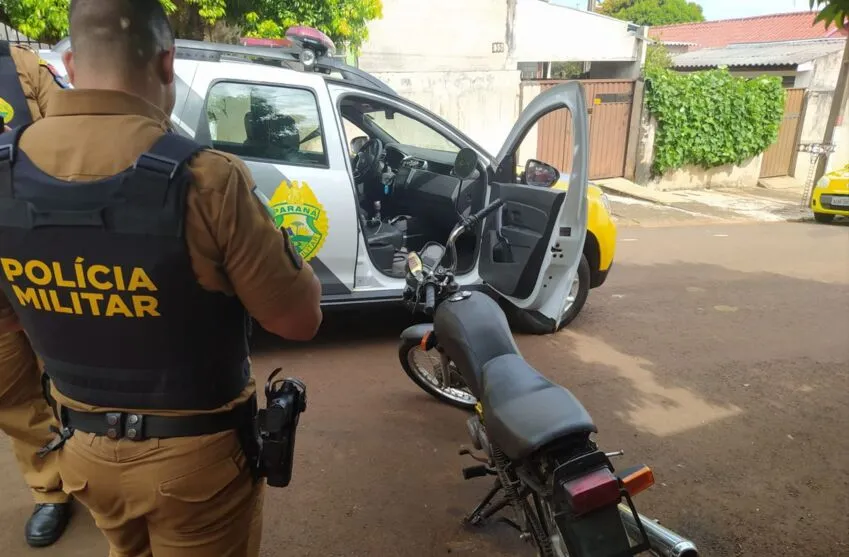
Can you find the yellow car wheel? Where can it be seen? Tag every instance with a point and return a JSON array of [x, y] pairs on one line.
[[824, 218]]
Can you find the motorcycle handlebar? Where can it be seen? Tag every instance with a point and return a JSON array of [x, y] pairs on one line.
[[473, 220], [430, 298]]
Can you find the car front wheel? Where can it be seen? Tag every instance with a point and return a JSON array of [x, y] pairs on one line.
[[528, 322]]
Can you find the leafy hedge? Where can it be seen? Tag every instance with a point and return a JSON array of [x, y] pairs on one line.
[[711, 118]]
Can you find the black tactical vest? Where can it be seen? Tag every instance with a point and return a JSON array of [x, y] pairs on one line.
[[13, 102], [101, 280]]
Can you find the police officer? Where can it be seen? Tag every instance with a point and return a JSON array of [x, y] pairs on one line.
[[26, 84], [132, 257]]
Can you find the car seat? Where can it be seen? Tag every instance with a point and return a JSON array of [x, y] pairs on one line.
[[272, 136]]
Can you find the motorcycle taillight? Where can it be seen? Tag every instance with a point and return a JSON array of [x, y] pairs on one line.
[[592, 491]]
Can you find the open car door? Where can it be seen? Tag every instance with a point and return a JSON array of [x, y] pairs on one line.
[[531, 256]]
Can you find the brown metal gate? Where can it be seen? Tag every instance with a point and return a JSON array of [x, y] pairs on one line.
[[610, 103], [779, 157]]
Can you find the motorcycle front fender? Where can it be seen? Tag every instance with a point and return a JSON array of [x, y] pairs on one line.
[[417, 332]]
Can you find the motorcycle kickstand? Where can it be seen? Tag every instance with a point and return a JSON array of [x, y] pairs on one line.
[[477, 516]]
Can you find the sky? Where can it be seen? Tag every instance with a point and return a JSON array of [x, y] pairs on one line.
[[726, 9]]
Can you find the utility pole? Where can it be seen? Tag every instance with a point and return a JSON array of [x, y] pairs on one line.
[[836, 110]]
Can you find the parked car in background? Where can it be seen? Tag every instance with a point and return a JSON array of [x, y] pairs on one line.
[[831, 196]]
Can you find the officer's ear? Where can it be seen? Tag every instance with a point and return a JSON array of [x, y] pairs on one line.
[[68, 60], [165, 65]]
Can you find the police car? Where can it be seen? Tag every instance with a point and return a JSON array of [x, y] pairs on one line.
[[358, 176]]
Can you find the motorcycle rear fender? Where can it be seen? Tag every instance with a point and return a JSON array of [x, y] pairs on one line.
[[417, 332]]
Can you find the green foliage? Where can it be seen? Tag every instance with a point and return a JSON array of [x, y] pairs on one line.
[[653, 12], [344, 21], [832, 12], [38, 19], [712, 118], [657, 58]]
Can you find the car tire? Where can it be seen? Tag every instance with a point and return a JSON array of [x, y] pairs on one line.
[[527, 322], [824, 218]]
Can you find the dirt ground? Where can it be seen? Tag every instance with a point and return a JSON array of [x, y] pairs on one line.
[[718, 354]]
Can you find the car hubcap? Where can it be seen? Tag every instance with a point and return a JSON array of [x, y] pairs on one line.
[[427, 365], [574, 288]]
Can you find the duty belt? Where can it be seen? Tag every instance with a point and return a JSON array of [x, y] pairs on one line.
[[139, 427]]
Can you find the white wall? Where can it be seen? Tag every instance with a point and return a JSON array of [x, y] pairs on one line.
[[436, 35], [546, 32], [447, 35], [484, 104], [825, 72]]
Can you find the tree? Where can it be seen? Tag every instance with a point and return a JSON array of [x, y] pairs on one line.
[[344, 21], [653, 12], [657, 58], [832, 12]]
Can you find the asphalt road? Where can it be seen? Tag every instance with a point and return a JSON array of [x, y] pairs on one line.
[[718, 354]]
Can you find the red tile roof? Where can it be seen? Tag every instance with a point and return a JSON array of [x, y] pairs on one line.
[[769, 28]]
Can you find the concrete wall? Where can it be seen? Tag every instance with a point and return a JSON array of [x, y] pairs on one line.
[[825, 72], [483, 104], [548, 32], [813, 127], [437, 35], [745, 175], [459, 35]]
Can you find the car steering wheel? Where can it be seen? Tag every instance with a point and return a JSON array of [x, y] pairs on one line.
[[368, 161]]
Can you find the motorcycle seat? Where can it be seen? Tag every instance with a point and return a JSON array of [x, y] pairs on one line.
[[524, 411]]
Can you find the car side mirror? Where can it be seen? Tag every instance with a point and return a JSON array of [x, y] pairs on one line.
[[357, 143], [540, 174], [466, 163]]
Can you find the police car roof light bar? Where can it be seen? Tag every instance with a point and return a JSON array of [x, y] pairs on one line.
[[312, 39]]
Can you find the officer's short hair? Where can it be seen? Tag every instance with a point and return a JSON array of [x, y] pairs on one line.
[[137, 30]]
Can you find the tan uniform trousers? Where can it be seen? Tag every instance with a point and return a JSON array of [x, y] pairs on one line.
[[26, 417], [180, 497]]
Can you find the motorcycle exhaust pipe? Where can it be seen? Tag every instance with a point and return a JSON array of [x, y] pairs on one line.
[[663, 542]]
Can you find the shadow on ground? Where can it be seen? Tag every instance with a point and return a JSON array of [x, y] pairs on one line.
[[730, 384]]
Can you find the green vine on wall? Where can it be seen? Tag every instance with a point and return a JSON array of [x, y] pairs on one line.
[[711, 118]]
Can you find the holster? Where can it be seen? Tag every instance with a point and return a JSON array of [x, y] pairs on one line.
[[249, 439], [277, 425]]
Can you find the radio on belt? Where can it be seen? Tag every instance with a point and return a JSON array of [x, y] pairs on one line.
[[276, 426]]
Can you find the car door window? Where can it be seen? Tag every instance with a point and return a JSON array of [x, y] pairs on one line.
[[275, 123], [352, 131]]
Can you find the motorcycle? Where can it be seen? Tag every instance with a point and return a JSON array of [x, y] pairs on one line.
[[533, 436]]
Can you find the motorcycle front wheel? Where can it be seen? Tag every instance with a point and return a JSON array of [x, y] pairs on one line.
[[424, 368]]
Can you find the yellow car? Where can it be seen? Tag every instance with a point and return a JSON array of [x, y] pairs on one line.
[[831, 196], [599, 252]]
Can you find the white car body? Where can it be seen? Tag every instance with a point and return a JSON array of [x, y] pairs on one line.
[[330, 201]]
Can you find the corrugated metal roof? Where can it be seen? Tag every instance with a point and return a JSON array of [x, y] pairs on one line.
[[785, 53]]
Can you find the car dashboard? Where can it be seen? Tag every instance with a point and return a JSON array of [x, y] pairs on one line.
[[425, 186]]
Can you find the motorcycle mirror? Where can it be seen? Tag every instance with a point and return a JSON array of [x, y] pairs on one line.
[[414, 264], [466, 163]]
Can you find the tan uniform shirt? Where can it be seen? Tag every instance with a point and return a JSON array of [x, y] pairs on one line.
[[36, 78], [234, 245]]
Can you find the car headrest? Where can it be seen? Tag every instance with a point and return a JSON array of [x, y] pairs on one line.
[[274, 130]]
